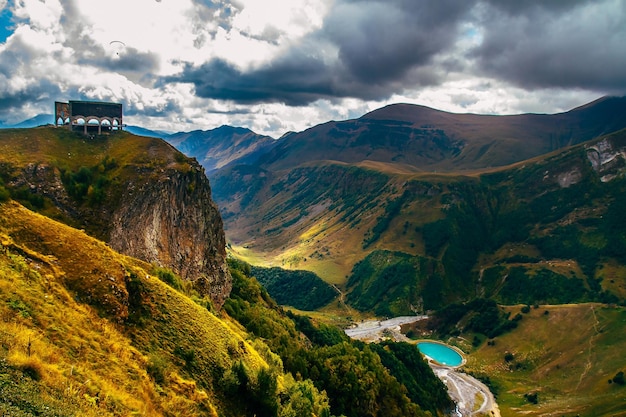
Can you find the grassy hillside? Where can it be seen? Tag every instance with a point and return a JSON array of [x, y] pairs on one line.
[[560, 360], [91, 332], [548, 230], [87, 331]]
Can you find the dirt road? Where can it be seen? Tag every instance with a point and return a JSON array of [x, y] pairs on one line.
[[473, 398], [375, 330]]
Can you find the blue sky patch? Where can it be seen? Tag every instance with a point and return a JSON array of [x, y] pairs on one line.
[[6, 24]]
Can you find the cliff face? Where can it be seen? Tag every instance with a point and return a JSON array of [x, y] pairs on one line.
[[154, 203], [172, 221]]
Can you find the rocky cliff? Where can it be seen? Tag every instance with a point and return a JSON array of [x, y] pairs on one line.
[[172, 221], [138, 194]]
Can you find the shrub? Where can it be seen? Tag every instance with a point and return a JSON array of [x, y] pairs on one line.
[[169, 278], [532, 398], [157, 368], [619, 378], [5, 195]]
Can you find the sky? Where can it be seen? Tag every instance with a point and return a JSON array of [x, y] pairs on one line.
[[276, 66]]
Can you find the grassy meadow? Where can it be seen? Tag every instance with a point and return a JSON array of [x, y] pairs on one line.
[[564, 354]]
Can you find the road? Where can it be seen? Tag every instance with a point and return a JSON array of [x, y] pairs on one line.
[[374, 330], [473, 398]]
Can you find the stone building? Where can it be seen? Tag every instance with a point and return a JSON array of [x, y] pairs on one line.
[[90, 117]]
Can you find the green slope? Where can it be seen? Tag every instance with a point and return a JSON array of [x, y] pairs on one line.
[[549, 230], [566, 355], [87, 331]]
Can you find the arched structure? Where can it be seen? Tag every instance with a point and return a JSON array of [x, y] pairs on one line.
[[89, 116]]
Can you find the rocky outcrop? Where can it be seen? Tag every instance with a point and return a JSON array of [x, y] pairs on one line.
[[172, 221], [160, 212], [608, 157]]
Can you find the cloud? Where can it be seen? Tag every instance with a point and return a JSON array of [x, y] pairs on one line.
[[292, 63], [290, 80], [382, 41], [560, 44], [371, 50], [364, 49]]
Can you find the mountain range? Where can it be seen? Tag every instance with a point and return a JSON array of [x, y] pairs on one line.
[[325, 198]]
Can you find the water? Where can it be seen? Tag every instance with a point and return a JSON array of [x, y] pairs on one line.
[[440, 353]]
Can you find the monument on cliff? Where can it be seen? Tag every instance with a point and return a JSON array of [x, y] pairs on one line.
[[90, 117]]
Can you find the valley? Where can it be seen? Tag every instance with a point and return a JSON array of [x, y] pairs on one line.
[[516, 258], [406, 237], [117, 298]]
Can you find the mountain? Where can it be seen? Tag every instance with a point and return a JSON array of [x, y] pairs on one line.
[[39, 120], [141, 131], [223, 146], [138, 194], [421, 138], [443, 236]]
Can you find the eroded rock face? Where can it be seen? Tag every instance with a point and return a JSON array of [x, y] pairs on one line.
[[173, 222], [164, 216], [608, 158]]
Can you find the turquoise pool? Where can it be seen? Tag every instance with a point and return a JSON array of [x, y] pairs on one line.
[[440, 353]]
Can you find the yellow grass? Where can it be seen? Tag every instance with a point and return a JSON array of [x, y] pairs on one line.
[[53, 329]]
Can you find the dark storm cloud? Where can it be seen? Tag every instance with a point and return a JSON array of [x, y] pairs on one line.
[[515, 7], [371, 49], [381, 47], [292, 81], [14, 104], [380, 41], [127, 60], [563, 44]]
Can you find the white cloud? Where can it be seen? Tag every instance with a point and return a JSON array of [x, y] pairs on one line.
[[311, 51]]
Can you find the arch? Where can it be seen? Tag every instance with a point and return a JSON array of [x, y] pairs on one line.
[[89, 116]]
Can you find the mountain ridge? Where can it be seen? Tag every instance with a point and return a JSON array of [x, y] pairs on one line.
[[431, 139], [328, 217]]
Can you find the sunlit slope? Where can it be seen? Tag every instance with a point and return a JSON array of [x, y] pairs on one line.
[[87, 331], [323, 217], [96, 174], [557, 218], [567, 355]]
